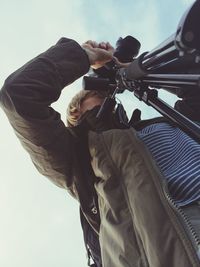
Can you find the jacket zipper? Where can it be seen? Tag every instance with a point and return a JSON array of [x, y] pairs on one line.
[[94, 209], [161, 185], [185, 222]]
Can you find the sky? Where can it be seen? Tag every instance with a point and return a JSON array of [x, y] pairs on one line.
[[39, 223]]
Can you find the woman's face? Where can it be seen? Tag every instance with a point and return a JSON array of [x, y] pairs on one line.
[[90, 102]]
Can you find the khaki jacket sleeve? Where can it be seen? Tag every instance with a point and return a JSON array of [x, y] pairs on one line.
[[26, 98]]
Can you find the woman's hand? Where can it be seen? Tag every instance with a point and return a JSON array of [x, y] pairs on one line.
[[98, 53]]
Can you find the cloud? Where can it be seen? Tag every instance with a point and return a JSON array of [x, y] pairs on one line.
[[121, 18]]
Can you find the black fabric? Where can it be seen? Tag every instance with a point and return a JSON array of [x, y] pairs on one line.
[[91, 239], [112, 120]]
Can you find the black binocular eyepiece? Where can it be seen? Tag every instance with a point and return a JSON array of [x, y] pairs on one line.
[[126, 50]]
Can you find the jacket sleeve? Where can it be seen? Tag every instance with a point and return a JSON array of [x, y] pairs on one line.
[[26, 98]]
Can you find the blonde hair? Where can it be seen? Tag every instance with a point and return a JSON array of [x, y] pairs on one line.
[[73, 110]]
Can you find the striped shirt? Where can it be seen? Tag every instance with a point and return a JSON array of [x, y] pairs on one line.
[[178, 157]]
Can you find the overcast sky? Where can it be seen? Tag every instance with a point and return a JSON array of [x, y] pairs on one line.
[[39, 223]]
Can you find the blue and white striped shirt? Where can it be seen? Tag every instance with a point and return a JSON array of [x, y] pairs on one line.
[[178, 157]]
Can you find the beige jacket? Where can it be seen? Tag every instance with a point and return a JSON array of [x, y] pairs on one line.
[[140, 224]]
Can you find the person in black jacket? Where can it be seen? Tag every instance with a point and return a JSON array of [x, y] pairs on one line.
[[61, 153], [26, 98]]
